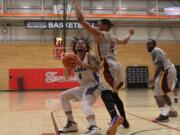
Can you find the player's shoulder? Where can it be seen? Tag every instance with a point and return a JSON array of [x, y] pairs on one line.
[[91, 56], [156, 50]]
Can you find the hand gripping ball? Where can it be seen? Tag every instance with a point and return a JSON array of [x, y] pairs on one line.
[[68, 60]]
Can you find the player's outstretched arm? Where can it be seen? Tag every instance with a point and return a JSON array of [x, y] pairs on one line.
[[93, 65], [67, 73], [127, 37], [83, 22]]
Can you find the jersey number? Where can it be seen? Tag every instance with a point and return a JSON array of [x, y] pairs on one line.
[[112, 47]]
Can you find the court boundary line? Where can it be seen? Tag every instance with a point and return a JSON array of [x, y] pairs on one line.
[[146, 130], [169, 127], [54, 123]]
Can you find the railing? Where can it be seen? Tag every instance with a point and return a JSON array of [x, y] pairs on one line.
[[114, 11], [112, 16]]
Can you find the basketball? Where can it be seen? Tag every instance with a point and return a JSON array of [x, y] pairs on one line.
[[68, 60]]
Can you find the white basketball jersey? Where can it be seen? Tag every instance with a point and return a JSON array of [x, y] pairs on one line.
[[158, 55], [85, 75], [107, 46]]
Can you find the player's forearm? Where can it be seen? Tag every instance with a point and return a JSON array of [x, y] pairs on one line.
[[126, 39], [78, 12], [67, 73]]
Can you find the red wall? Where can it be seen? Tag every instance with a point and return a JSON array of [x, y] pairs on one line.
[[35, 79]]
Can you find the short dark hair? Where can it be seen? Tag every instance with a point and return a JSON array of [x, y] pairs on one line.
[[106, 22], [81, 37], [151, 41]]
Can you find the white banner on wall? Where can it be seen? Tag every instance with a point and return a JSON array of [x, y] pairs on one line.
[[58, 9], [172, 11], [54, 24]]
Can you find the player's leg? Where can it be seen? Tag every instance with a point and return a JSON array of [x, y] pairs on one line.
[[158, 95], [106, 90], [120, 106], [170, 82], [87, 101], [65, 98], [116, 71], [108, 98], [163, 117], [109, 102]]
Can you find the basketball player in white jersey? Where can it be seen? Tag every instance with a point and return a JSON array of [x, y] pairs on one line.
[[164, 80], [105, 51], [87, 92]]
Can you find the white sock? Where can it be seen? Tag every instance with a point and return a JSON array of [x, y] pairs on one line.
[[163, 111]]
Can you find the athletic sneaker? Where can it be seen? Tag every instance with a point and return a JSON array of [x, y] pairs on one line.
[[125, 124], [93, 130], [70, 127], [161, 118], [173, 113], [118, 120]]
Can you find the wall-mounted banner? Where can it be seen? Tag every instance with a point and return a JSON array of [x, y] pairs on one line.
[[54, 24], [40, 78], [59, 9], [58, 50], [172, 11]]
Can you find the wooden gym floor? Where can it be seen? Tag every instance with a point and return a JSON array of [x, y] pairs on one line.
[[29, 113]]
